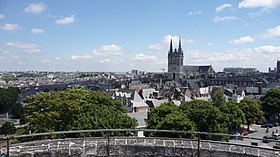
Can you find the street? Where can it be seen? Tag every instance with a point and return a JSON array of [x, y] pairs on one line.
[[260, 132]]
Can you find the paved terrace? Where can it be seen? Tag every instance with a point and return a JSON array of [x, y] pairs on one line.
[[136, 146]]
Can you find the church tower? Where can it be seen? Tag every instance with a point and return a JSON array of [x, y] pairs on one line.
[[175, 62]]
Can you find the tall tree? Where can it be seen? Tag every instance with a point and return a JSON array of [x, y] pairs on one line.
[[271, 102], [74, 109], [168, 117], [218, 97], [8, 98], [207, 117], [17, 110], [8, 128], [233, 115], [252, 111]]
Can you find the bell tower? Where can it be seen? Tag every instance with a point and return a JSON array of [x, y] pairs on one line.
[[175, 62]]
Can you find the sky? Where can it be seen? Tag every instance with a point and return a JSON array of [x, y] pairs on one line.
[[121, 35]]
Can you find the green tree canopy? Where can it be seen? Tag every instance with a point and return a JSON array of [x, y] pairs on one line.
[[218, 97], [17, 110], [252, 111], [8, 97], [168, 117], [207, 117], [234, 116], [271, 102], [74, 109], [8, 128]]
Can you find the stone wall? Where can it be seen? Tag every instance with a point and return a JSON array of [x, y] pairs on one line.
[[135, 147]]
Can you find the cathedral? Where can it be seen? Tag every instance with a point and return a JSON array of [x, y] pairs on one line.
[[177, 70]]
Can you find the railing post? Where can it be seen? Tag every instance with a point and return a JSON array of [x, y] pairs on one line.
[[198, 145], [108, 143], [8, 146]]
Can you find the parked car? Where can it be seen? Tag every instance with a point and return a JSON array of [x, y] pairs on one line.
[[276, 136], [267, 125], [267, 138], [236, 136], [275, 124], [244, 132]]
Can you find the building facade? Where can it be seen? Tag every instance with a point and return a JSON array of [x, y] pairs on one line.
[[175, 62], [177, 70]]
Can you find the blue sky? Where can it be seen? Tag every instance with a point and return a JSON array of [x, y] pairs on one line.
[[103, 35]]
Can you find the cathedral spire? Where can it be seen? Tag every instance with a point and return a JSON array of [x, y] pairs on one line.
[[171, 48], [180, 47]]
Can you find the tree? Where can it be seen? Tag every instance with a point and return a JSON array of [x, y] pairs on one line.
[[218, 97], [8, 98], [207, 117], [252, 111], [17, 110], [168, 117], [76, 109], [271, 102], [8, 128], [234, 116], [104, 117]]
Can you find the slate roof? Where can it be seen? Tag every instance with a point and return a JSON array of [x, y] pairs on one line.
[[140, 118], [191, 69], [152, 103], [204, 69], [196, 69], [239, 79]]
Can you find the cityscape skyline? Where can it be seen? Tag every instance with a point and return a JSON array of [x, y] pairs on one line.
[[119, 36]]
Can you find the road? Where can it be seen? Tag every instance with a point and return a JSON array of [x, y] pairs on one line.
[[259, 133]]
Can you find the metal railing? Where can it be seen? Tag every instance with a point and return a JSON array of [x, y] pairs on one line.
[[107, 133]]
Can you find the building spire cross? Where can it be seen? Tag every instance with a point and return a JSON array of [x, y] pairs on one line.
[[180, 47], [171, 48]]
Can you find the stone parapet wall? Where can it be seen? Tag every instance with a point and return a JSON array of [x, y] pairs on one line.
[[135, 147]]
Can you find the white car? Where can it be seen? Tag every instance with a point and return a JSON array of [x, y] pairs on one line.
[[276, 136]]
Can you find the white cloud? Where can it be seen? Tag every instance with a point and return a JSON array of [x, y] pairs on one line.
[[143, 57], [268, 49], [108, 50], [166, 41], [199, 12], [36, 8], [224, 18], [2, 16], [66, 20], [104, 51], [260, 57], [242, 40], [37, 30], [105, 61], [273, 32], [81, 57], [10, 27], [8, 59], [222, 7], [46, 61], [271, 4], [27, 47], [147, 61]]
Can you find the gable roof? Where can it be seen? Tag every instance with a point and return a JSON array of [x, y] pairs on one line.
[[197, 69], [204, 68], [191, 69]]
